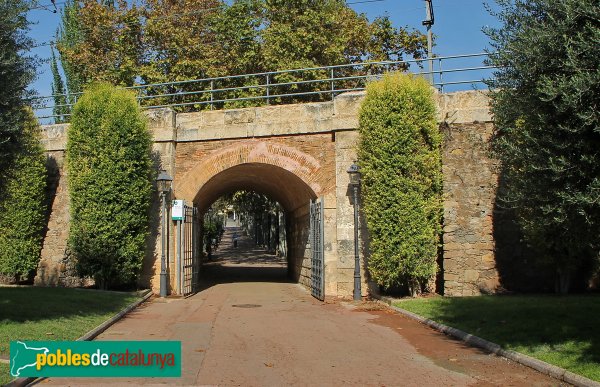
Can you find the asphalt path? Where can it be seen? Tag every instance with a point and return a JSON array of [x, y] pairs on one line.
[[249, 326]]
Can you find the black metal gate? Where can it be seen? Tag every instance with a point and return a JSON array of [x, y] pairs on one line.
[[188, 258], [317, 246]]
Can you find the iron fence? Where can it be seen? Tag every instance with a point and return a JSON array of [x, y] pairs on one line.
[[450, 73]]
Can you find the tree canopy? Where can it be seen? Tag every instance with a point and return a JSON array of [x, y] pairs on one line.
[[100, 41], [546, 106], [163, 41], [16, 73]]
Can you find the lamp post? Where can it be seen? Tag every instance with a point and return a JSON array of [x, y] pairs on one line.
[[354, 174], [163, 183]]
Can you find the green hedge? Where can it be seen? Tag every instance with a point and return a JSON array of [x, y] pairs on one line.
[[109, 166], [22, 205], [400, 160]]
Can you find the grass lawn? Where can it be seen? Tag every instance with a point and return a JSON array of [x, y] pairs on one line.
[[4, 374], [559, 330], [32, 313]]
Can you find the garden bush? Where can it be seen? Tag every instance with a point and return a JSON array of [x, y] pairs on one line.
[[22, 205], [109, 166], [400, 159]]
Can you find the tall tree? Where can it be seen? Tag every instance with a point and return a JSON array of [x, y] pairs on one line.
[[60, 107], [22, 205], [16, 73], [22, 168], [179, 42], [313, 33], [401, 162], [237, 38], [546, 105], [388, 43], [309, 33], [109, 166], [107, 30], [68, 36]]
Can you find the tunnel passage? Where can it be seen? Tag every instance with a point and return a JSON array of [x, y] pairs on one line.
[[281, 185]]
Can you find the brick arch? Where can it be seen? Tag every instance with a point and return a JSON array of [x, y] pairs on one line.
[[258, 165]]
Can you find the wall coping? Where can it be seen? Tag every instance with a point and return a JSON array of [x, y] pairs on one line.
[[279, 120]]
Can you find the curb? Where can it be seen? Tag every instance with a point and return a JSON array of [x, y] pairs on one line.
[[475, 341], [146, 294]]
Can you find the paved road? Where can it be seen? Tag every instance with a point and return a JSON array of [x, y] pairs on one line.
[[249, 327]]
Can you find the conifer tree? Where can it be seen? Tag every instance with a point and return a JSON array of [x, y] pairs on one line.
[[58, 91], [109, 167], [16, 73]]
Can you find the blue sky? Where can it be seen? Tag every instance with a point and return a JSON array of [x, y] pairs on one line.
[[458, 25]]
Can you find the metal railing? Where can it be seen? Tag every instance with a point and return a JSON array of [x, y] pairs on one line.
[[450, 73]]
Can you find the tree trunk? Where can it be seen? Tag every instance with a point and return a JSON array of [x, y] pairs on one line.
[[563, 281], [414, 287]]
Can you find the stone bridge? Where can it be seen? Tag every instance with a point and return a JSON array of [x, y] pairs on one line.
[[295, 153]]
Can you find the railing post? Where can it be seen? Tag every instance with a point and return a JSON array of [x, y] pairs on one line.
[[332, 83], [139, 96], [212, 87], [268, 92]]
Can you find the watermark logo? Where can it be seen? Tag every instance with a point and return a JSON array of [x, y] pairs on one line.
[[95, 358]]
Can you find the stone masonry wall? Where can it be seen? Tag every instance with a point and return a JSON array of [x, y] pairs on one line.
[[319, 139], [55, 267], [470, 182]]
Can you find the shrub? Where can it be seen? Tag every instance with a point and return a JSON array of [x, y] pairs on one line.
[[22, 204], [109, 166], [400, 160]]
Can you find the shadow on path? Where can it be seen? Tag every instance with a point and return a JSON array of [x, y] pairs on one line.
[[241, 262]]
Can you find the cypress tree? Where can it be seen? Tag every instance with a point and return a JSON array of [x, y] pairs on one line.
[[400, 159], [16, 73], [58, 90], [109, 166], [22, 205]]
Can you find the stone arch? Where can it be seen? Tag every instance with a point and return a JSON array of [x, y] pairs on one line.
[[277, 183], [255, 158], [282, 172]]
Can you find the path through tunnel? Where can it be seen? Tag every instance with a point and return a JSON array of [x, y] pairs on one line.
[[260, 242]]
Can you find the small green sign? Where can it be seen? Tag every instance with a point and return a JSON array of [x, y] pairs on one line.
[[95, 358]]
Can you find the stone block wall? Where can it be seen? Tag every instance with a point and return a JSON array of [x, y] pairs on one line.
[[316, 143], [470, 182], [56, 268]]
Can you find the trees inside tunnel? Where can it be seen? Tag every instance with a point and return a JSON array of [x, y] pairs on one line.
[[261, 218]]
